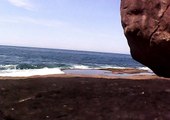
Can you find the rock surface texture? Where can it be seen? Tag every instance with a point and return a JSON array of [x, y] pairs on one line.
[[146, 26]]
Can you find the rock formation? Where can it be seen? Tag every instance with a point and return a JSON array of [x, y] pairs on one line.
[[146, 26]]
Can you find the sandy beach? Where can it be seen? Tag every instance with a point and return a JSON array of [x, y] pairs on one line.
[[82, 97]]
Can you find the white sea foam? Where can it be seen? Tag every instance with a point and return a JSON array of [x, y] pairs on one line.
[[120, 67], [8, 67], [30, 72], [145, 68], [114, 67], [80, 67]]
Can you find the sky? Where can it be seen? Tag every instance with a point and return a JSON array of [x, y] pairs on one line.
[[90, 25]]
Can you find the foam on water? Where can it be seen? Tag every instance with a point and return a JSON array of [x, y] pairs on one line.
[[17, 71], [80, 67], [30, 72], [145, 68], [7, 67], [110, 66]]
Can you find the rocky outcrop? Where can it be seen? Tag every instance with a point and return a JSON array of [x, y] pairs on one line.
[[146, 26]]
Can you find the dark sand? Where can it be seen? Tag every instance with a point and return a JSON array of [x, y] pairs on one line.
[[71, 97]]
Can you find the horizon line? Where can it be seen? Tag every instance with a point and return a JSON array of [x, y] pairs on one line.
[[38, 47]]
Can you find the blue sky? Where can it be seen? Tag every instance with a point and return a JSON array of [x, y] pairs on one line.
[[92, 25]]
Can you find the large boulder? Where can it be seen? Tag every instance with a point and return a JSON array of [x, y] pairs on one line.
[[146, 26]]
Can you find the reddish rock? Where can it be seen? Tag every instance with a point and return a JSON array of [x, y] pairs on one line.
[[146, 26]]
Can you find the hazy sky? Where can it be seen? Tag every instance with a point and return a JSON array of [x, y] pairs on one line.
[[92, 25]]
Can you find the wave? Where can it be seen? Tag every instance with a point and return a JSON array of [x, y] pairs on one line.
[[61, 66], [145, 68], [80, 67], [95, 67], [30, 72], [7, 67], [33, 66], [25, 70], [110, 66]]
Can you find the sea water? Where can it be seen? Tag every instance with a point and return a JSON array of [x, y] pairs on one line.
[[27, 61]]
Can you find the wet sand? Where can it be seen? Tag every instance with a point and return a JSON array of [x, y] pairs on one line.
[[83, 97]]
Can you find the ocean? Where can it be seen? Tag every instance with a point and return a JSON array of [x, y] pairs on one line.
[[27, 61]]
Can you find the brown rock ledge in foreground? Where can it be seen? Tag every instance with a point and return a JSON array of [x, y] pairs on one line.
[[84, 98], [146, 26]]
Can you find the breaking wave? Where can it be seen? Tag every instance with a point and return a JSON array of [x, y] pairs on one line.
[[26, 70], [30, 72]]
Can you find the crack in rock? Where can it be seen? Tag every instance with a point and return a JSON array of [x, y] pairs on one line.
[[158, 25]]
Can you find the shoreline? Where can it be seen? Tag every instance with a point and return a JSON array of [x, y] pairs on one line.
[[12, 71], [109, 73]]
